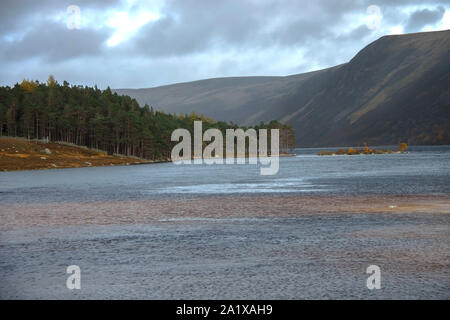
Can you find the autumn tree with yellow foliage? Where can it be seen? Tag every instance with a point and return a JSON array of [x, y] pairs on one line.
[[402, 147]]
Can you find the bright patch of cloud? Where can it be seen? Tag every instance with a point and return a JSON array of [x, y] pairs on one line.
[[126, 26], [445, 23], [397, 30]]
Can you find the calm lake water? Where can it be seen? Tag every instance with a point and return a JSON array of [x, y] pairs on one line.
[[297, 257]]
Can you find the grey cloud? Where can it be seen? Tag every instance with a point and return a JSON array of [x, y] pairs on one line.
[[421, 18], [18, 14], [355, 34], [191, 26], [55, 42]]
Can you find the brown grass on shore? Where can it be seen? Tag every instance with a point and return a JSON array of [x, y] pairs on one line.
[[366, 150], [22, 154]]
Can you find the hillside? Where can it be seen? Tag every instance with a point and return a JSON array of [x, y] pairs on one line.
[[396, 88], [237, 99]]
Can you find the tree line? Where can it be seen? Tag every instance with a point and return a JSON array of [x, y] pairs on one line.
[[101, 119]]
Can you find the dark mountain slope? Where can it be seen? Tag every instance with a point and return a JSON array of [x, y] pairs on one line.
[[397, 88]]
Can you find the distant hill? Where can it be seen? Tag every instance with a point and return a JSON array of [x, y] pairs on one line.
[[396, 88], [237, 99]]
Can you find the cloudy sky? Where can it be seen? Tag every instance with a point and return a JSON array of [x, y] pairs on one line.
[[138, 44]]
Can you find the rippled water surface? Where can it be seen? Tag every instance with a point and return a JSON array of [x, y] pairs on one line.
[[259, 256]]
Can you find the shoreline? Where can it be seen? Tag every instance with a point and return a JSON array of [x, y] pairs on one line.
[[20, 154], [132, 162]]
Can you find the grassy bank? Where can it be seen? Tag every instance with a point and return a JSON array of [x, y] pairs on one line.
[[22, 154]]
